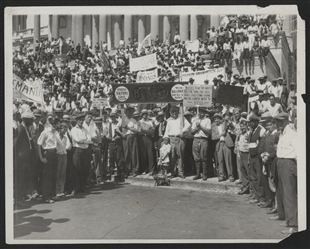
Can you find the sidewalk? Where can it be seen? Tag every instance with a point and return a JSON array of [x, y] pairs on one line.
[[211, 185]]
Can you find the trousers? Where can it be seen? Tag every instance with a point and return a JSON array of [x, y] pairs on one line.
[[21, 174], [61, 173], [255, 169], [80, 169], [287, 172], [224, 159], [147, 156], [130, 145], [244, 169], [177, 155], [48, 178], [116, 156], [200, 149]]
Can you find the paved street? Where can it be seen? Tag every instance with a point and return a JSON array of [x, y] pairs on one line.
[[123, 211]]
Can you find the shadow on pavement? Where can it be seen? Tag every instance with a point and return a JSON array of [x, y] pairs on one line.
[[24, 225]]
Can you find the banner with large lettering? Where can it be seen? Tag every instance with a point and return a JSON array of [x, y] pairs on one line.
[[27, 90], [192, 45], [197, 95], [201, 76], [143, 63], [167, 92], [230, 95], [147, 76], [100, 102]]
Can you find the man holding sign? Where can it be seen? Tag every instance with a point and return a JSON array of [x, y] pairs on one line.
[[201, 129]]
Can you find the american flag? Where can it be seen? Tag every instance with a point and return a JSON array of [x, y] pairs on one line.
[[105, 63]]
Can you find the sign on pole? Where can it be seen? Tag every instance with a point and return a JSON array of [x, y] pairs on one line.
[[100, 102], [230, 95], [197, 95], [168, 92], [143, 63], [147, 76]]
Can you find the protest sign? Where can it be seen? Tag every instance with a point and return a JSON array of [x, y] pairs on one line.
[[201, 76], [192, 45], [100, 102], [147, 76], [167, 92], [27, 90], [230, 95], [197, 95], [143, 63], [58, 58]]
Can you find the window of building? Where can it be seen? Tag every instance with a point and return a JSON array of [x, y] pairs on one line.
[[62, 22]]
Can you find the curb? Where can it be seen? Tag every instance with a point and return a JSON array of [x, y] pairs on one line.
[[211, 185]]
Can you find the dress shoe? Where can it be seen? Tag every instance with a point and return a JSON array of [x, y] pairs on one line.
[[272, 211], [182, 177], [283, 224], [276, 217], [266, 205], [221, 179], [253, 201], [204, 178], [48, 201], [243, 191], [261, 203], [291, 230], [196, 177]]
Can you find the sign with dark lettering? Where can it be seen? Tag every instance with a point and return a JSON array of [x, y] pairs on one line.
[[167, 92]]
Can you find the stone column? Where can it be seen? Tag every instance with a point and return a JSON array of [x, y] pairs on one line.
[[36, 29], [79, 30], [166, 28], [102, 28], [73, 29], [215, 21], [127, 29], [95, 31], [184, 27], [194, 28], [49, 27], [87, 21], [117, 30], [141, 28], [154, 26], [55, 27]]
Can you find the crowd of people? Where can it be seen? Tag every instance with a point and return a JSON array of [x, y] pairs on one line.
[[65, 143]]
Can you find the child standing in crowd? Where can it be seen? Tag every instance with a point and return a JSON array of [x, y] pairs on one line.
[[164, 161]]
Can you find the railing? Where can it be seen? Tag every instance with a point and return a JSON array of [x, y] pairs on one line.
[[27, 33]]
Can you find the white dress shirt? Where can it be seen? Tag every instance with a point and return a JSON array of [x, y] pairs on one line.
[[288, 144], [174, 127]]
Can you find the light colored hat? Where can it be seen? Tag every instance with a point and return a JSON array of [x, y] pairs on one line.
[[27, 114]]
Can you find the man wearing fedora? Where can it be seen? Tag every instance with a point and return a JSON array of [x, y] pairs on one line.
[[22, 148], [159, 131], [175, 131], [80, 161], [201, 129], [48, 142], [256, 134], [223, 145], [130, 130]]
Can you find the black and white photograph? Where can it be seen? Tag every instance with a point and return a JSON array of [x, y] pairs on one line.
[[154, 124]]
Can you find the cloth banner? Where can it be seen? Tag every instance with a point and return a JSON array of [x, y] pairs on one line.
[[100, 102], [230, 95], [167, 92], [201, 76], [192, 45], [143, 63], [197, 95], [27, 90], [147, 76]]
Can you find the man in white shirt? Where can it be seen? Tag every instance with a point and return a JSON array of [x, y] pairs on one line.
[[146, 136], [201, 129], [287, 171], [274, 108], [80, 144], [175, 131], [264, 47]]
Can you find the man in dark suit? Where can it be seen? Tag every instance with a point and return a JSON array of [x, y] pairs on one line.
[[22, 145], [223, 148]]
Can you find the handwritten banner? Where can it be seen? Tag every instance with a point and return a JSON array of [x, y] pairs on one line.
[[27, 90], [197, 95], [147, 76], [143, 63], [168, 92], [192, 45], [100, 102], [201, 76]]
